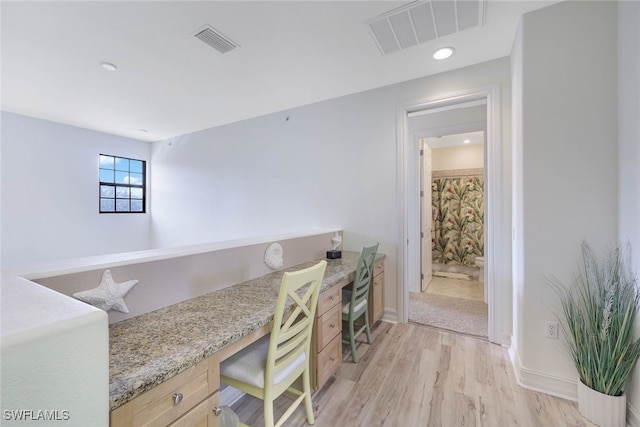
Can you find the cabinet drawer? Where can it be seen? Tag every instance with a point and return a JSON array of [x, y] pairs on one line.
[[378, 267], [166, 402], [200, 416], [328, 326], [376, 303], [328, 299], [329, 359]]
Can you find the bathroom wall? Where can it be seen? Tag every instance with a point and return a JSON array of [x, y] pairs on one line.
[[459, 157]]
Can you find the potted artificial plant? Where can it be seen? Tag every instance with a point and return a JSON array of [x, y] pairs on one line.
[[598, 318]]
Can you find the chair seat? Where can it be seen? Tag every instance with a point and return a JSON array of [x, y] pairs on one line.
[[248, 364], [346, 302]]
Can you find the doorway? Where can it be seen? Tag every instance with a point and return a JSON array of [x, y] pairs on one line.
[[408, 212], [451, 294]]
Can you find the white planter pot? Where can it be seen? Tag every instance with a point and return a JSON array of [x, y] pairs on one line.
[[602, 409]]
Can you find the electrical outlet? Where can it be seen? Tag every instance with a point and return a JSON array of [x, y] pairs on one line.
[[551, 330]]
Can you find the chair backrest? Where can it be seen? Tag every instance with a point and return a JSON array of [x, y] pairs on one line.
[[289, 340], [364, 274]]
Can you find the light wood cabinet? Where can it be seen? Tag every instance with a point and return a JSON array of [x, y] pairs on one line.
[[188, 399], [327, 339], [376, 293]]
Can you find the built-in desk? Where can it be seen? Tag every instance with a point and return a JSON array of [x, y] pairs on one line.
[[163, 365]]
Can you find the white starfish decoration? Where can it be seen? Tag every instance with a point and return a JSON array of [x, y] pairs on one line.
[[108, 295]]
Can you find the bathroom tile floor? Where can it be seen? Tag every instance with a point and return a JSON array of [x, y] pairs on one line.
[[465, 289]]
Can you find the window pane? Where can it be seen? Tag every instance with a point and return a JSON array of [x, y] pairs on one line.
[[106, 162], [107, 191], [107, 205], [122, 184], [122, 205], [106, 175], [122, 192], [135, 165], [122, 164], [136, 193], [136, 206], [122, 177], [135, 179]]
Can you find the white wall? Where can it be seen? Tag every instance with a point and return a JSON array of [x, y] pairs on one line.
[[629, 149], [330, 165], [50, 193], [566, 157]]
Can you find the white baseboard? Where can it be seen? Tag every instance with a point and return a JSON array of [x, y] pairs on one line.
[[230, 395], [390, 315], [633, 419], [544, 383], [556, 386]]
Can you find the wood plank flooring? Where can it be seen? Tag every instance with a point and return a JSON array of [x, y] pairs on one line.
[[418, 376]]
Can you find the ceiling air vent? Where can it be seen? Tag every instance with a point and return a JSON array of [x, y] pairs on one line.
[[422, 21], [215, 39]]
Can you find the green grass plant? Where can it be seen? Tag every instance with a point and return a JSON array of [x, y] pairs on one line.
[[599, 312]]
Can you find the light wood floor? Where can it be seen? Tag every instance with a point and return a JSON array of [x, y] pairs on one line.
[[417, 376]]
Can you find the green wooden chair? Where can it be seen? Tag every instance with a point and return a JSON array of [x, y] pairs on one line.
[[355, 305], [269, 367]]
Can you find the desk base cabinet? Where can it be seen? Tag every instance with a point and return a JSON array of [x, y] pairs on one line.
[[188, 399], [327, 337], [192, 397], [376, 293]]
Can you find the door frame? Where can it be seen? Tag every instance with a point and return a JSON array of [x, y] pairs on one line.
[[408, 211]]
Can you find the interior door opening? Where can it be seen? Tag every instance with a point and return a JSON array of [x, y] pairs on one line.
[[452, 294], [411, 129]]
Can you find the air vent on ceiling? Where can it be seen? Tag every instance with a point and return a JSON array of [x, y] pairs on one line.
[[215, 39], [421, 21]]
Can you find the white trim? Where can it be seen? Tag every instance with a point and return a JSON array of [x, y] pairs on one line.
[[230, 395], [78, 265], [390, 315], [556, 386], [541, 382], [408, 249], [633, 419]]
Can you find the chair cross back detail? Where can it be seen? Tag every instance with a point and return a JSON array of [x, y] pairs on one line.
[[355, 303], [364, 275], [290, 339], [270, 366]]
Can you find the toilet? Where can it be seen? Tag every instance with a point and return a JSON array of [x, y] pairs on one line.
[[479, 261]]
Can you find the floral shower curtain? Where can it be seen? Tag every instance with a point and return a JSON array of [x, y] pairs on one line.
[[458, 219]]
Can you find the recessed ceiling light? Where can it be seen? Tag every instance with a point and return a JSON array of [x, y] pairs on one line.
[[443, 53], [108, 66], [466, 141]]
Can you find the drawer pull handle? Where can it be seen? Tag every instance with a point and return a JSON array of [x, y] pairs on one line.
[[217, 411], [332, 358], [332, 325], [177, 398], [331, 298]]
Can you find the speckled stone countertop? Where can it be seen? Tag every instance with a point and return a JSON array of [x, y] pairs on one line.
[[146, 350]]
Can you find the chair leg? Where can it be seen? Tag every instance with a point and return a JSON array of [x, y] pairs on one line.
[[352, 341], [308, 404], [366, 327], [268, 413]]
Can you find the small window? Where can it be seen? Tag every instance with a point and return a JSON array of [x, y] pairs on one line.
[[122, 185]]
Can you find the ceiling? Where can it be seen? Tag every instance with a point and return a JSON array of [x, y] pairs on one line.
[[169, 83], [454, 140]]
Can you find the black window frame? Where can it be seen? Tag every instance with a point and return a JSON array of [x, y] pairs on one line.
[[115, 185]]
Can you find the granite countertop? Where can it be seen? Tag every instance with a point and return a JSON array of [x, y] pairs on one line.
[[146, 350]]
